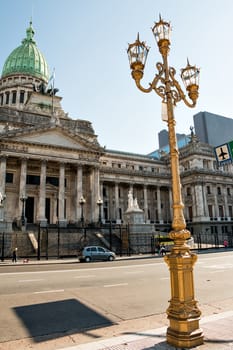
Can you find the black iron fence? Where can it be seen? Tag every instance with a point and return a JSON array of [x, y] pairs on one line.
[[56, 242]]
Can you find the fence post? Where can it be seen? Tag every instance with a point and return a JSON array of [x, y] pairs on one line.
[[121, 240], [129, 249], [38, 250], [58, 241], [152, 244], [3, 246], [47, 243], [110, 235]]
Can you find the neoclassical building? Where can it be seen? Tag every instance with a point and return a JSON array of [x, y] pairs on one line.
[[49, 161]]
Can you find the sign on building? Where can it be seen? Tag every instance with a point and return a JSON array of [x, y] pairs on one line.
[[224, 153]]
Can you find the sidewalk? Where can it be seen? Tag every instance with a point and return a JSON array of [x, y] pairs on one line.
[[43, 261], [217, 329]]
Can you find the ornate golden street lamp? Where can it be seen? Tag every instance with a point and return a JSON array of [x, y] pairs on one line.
[[183, 313]]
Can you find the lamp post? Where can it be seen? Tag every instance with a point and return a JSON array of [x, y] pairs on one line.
[[99, 203], [23, 219], [183, 313], [82, 201]]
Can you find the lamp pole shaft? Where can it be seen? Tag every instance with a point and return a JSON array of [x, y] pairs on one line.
[[178, 222]]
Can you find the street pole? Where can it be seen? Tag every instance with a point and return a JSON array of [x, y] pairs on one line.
[[183, 313]]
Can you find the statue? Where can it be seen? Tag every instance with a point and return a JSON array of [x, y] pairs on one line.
[[135, 203], [133, 214], [130, 200]]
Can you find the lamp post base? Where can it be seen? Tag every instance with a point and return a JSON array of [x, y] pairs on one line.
[[184, 334], [183, 313]]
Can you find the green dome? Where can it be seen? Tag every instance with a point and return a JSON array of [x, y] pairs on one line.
[[27, 59]]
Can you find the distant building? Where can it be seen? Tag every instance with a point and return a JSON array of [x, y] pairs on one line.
[[212, 128], [163, 138]]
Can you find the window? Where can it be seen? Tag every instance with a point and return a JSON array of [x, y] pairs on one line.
[[101, 250], [52, 180], [188, 191], [218, 190], [21, 96], [220, 209], [210, 209], [7, 98], [33, 180], [1, 96], [230, 210], [208, 190], [190, 210], [228, 191], [14, 97], [9, 178]]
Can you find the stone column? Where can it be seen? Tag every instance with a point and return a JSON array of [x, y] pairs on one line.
[[145, 202], [199, 202], [2, 187], [216, 211], [2, 175], [79, 191], [94, 194], [226, 208], [61, 197], [102, 197], [22, 186], [41, 208], [194, 202], [117, 202], [159, 204]]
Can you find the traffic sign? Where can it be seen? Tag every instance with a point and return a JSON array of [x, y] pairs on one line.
[[223, 153]]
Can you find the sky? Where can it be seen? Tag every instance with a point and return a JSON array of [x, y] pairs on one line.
[[86, 42]]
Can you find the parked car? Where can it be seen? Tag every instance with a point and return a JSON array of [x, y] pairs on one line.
[[95, 253]]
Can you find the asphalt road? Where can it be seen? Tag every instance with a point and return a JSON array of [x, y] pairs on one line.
[[49, 301]]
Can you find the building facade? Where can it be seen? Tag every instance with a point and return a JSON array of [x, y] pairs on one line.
[[48, 161]]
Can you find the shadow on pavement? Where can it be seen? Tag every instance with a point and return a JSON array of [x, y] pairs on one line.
[[51, 320]]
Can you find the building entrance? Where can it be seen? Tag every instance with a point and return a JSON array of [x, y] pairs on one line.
[[47, 210], [29, 210]]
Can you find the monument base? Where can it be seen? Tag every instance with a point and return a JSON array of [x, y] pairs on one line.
[[134, 216]]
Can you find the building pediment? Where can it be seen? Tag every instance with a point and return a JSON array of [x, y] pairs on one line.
[[52, 136]]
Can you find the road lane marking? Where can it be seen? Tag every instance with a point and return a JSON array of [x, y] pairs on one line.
[[50, 291], [164, 278], [115, 285], [87, 276], [220, 267], [32, 280], [133, 272]]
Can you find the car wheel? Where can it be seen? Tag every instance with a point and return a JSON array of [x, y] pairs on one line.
[[111, 258], [87, 259]]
